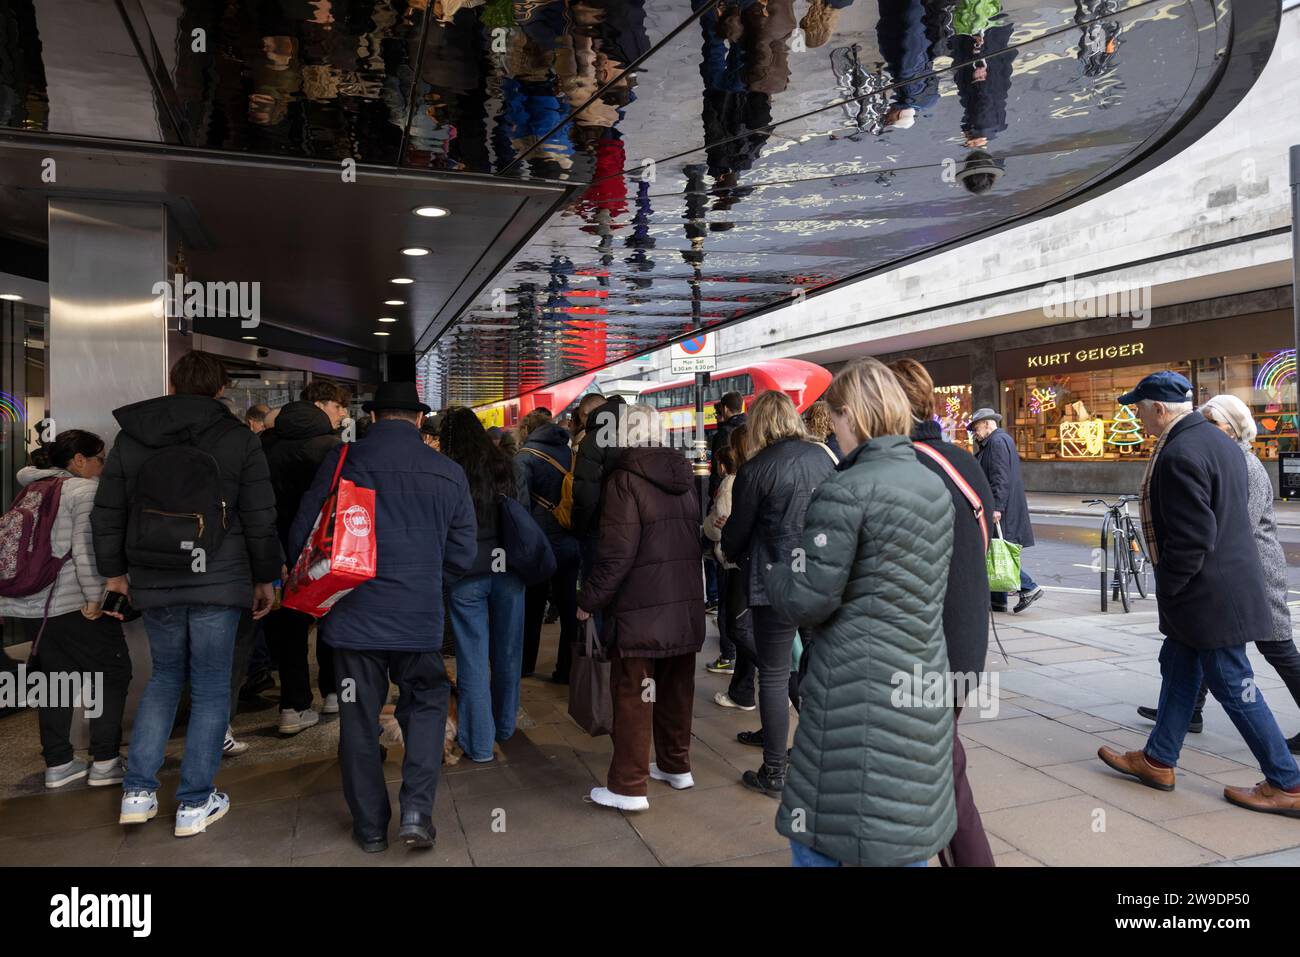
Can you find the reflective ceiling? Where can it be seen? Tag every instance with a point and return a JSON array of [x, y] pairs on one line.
[[714, 159]]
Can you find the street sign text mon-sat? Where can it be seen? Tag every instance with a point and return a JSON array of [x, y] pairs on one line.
[[696, 354]]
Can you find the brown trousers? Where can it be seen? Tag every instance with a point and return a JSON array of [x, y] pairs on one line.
[[969, 846], [658, 709]]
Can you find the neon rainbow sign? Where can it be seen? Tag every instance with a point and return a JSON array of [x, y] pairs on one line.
[[1276, 371], [12, 408]]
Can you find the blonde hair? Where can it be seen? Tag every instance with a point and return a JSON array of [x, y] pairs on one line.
[[771, 418], [639, 425], [872, 397]]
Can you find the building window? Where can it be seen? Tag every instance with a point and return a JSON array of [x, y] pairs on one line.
[[952, 409]]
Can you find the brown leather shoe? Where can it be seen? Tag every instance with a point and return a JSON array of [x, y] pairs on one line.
[[1266, 798], [1135, 764]]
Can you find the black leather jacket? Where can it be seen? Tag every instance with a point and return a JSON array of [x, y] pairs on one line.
[[768, 502]]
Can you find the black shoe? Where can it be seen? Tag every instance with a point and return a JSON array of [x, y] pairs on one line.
[[1294, 744], [1196, 727], [766, 780], [1027, 600], [552, 615], [999, 607], [371, 844], [417, 831], [255, 685], [753, 738]]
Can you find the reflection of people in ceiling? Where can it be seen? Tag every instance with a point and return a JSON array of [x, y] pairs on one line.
[[911, 33], [23, 101], [983, 75], [531, 103], [744, 62], [1098, 38], [448, 125]]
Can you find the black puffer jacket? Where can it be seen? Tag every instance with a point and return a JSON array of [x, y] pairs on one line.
[[965, 605], [250, 551], [295, 448], [768, 503], [596, 458], [721, 438]]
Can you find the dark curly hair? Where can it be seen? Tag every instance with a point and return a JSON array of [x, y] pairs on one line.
[[488, 469]]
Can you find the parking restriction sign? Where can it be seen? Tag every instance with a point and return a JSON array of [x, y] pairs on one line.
[[695, 354]]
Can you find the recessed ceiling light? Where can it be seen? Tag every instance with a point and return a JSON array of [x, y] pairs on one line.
[[250, 338], [415, 251], [402, 281], [431, 212], [387, 319], [11, 296], [381, 333], [394, 302]]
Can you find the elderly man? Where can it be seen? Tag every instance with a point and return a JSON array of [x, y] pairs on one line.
[[1209, 586], [996, 453]]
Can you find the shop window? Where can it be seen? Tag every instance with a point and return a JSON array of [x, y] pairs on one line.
[[953, 408]]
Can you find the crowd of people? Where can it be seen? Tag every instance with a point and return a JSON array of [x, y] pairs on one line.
[[836, 550]]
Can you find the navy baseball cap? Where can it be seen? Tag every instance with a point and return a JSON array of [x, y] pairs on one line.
[[1163, 386]]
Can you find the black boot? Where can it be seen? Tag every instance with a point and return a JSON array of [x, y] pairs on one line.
[[769, 780], [370, 843], [416, 830], [1196, 727], [753, 738]]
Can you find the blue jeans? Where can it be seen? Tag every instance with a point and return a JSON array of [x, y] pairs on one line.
[[1231, 681], [804, 856], [487, 619], [194, 642]]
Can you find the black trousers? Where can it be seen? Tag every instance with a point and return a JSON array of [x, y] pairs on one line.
[[1284, 658], [286, 634], [245, 641], [421, 713], [726, 647], [73, 644], [774, 642], [562, 588]]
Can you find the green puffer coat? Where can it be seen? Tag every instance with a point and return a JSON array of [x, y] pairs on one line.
[[869, 782]]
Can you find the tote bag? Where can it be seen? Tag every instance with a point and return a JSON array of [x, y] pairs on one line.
[[1003, 562], [590, 702], [341, 551]]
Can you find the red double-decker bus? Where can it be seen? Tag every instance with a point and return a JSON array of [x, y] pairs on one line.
[[556, 397], [804, 382]]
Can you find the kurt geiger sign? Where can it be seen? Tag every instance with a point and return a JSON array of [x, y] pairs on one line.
[[1049, 360]]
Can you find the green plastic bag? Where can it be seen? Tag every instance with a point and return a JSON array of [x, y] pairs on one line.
[[1003, 562]]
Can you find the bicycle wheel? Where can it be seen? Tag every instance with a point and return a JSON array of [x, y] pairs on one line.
[[1141, 560], [1105, 545], [1123, 567]]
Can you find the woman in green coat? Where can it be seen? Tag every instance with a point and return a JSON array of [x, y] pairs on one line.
[[870, 775]]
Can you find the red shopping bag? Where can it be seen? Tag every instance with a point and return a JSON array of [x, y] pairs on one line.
[[340, 552]]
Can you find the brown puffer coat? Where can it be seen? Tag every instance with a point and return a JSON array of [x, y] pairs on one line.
[[648, 578]]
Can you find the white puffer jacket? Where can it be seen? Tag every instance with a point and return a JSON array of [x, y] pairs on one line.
[[79, 581]]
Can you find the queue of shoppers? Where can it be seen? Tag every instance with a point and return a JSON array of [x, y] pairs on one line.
[[849, 544]]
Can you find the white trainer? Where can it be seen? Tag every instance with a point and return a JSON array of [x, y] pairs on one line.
[[291, 722], [63, 774], [230, 747], [723, 700], [624, 802], [679, 782], [138, 807], [330, 705], [195, 820]]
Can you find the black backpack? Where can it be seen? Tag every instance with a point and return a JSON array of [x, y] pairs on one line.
[[178, 505]]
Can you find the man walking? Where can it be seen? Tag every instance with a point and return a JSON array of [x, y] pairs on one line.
[[185, 510], [1210, 593], [996, 452], [390, 628]]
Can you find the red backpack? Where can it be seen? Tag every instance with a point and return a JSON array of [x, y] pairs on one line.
[[28, 564]]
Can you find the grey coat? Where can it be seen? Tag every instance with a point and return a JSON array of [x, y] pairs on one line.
[[1260, 507], [870, 775]]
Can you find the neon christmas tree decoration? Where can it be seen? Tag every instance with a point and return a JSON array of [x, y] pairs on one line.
[[1126, 430]]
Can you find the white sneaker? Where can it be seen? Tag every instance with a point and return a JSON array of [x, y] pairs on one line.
[[74, 770], [291, 722], [230, 747], [195, 820], [723, 700], [138, 807], [607, 798], [330, 705], [679, 782]]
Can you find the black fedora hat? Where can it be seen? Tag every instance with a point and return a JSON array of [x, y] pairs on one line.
[[399, 396]]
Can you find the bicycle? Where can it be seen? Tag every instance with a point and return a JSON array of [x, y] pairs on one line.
[[1121, 538]]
